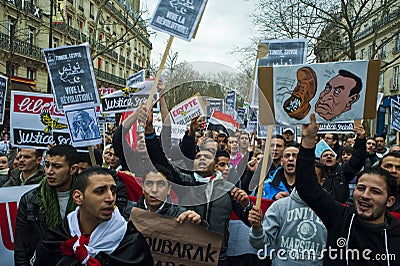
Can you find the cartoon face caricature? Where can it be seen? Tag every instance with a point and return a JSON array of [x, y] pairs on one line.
[[339, 94], [85, 126]]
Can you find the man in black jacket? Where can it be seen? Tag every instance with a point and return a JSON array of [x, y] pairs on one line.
[[95, 233], [337, 177], [46, 205], [362, 234], [202, 190]]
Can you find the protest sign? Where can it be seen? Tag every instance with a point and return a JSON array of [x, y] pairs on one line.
[[9, 199], [395, 115], [121, 101], [183, 113], [345, 127], [106, 91], [178, 18], [278, 52], [240, 114], [321, 147], [3, 93], [35, 121], [294, 92], [252, 120], [172, 243], [214, 104], [71, 75], [135, 78], [230, 103], [83, 125]]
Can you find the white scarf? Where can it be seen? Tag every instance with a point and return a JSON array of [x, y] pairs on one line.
[[106, 237]]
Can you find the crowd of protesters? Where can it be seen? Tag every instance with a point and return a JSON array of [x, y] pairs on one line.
[[347, 193]]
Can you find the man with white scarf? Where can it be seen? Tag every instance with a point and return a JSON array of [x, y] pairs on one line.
[[95, 233]]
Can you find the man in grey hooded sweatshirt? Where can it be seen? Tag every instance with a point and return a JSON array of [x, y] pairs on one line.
[[291, 233]]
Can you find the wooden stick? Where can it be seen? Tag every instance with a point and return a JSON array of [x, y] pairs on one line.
[[158, 75], [397, 137], [91, 155], [264, 166]]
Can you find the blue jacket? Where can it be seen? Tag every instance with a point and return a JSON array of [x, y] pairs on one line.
[[273, 184]]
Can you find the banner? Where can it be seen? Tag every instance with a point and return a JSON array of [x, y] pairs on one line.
[[3, 93], [214, 104], [178, 18], [172, 243], [135, 78], [395, 115], [71, 75], [35, 121], [9, 199], [252, 120], [183, 113]]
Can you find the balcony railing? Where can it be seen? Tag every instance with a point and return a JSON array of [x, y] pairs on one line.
[[77, 34], [109, 77], [20, 47]]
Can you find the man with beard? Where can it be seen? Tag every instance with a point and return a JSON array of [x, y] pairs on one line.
[[381, 148], [280, 183], [391, 163], [336, 176], [365, 227], [371, 158], [95, 233], [45, 206]]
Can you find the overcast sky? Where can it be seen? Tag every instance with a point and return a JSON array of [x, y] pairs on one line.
[[224, 26]]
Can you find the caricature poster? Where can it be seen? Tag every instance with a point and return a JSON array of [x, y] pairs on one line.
[[395, 115], [333, 91], [71, 75]]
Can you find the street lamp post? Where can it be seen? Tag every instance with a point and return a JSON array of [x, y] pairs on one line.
[[50, 41]]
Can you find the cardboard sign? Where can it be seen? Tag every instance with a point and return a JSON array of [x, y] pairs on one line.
[[3, 93], [214, 104], [9, 199], [178, 18], [35, 121], [135, 78], [183, 113], [252, 122], [333, 91], [345, 127], [395, 114], [71, 75], [172, 243]]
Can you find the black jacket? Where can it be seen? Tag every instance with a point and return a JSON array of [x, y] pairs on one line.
[[337, 179], [343, 224], [215, 212], [133, 249]]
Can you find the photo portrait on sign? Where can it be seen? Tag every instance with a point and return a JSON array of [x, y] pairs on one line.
[[333, 91], [83, 125]]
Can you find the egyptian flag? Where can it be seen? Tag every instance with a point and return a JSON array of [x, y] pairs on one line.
[[219, 119], [131, 135]]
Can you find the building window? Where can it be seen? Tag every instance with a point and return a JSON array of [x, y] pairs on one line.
[[381, 80], [31, 36], [396, 78], [91, 10], [55, 42], [69, 20], [369, 51], [11, 69], [397, 45], [98, 63], [383, 49], [362, 54], [31, 73], [11, 26], [106, 66]]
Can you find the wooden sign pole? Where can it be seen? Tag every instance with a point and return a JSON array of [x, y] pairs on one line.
[[158, 75], [264, 166], [91, 155]]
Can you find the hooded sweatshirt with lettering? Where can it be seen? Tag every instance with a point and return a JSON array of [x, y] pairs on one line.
[[292, 233]]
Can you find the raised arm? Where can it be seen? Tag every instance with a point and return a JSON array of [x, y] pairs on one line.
[[306, 180]]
